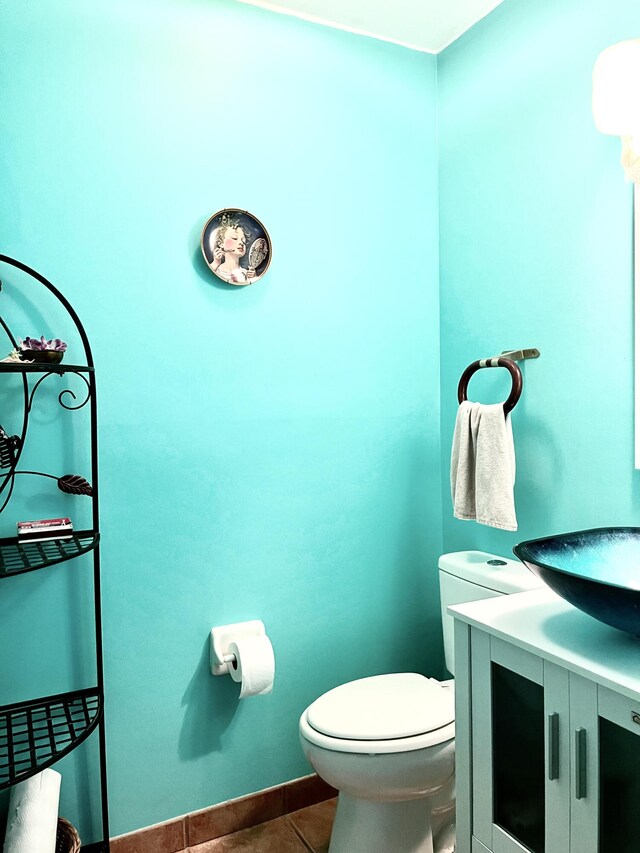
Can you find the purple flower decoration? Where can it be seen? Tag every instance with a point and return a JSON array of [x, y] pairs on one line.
[[42, 344]]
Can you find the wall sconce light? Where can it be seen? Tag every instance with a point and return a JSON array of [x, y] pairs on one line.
[[616, 111], [616, 104]]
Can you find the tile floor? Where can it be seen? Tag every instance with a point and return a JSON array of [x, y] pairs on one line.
[[304, 831]]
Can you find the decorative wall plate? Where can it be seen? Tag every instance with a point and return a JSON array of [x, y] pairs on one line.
[[236, 246]]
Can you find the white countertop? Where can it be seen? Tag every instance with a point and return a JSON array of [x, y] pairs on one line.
[[543, 623]]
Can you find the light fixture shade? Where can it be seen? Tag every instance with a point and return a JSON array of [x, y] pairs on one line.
[[616, 89]]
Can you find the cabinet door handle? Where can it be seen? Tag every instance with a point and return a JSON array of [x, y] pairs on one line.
[[580, 747], [553, 746]]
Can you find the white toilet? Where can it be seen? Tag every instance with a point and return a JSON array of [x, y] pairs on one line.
[[387, 742]]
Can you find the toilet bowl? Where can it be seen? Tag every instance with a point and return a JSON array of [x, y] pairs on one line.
[[386, 743]]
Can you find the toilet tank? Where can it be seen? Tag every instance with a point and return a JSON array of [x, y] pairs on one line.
[[473, 575]]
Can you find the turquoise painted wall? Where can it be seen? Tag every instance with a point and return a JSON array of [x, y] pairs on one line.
[[266, 452], [536, 250], [278, 455]]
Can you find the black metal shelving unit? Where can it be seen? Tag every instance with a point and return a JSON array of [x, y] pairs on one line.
[[37, 733]]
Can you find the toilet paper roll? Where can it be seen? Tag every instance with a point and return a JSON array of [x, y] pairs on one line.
[[255, 665], [33, 814]]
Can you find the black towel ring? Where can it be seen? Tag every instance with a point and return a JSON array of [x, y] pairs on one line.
[[512, 367]]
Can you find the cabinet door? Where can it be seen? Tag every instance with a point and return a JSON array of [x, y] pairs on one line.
[[507, 747], [583, 725], [520, 754], [557, 759], [618, 765], [605, 770]]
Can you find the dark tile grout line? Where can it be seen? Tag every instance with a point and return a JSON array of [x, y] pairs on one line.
[[299, 834], [236, 815], [291, 824]]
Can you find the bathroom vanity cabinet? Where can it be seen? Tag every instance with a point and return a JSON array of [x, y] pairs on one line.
[[37, 732], [547, 729]]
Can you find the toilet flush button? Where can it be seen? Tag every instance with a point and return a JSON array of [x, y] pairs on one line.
[[496, 563]]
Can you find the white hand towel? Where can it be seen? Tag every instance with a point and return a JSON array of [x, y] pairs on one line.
[[33, 814], [483, 466]]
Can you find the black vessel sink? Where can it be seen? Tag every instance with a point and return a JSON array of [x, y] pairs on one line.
[[598, 571]]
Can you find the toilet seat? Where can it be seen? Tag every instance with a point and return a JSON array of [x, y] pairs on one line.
[[382, 714]]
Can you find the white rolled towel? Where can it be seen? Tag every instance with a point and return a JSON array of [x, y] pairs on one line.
[[33, 814]]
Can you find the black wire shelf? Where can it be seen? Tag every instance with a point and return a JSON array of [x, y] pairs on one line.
[[42, 367], [36, 734], [19, 557]]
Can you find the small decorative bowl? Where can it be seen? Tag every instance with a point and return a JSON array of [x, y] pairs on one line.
[[42, 356]]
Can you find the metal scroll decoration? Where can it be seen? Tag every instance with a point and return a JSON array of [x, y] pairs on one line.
[[11, 446], [74, 484], [71, 484], [236, 246], [70, 408]]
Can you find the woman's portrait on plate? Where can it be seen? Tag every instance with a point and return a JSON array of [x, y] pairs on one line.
[[236, 246]]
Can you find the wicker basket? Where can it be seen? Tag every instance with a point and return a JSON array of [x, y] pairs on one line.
[[67, 838]]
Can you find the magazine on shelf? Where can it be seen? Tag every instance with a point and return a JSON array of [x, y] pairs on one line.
[[45, 529]]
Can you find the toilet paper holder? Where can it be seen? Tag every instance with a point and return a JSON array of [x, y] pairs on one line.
[[220, 658]]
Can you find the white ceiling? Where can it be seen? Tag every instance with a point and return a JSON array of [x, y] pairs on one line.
[[427, 25]]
